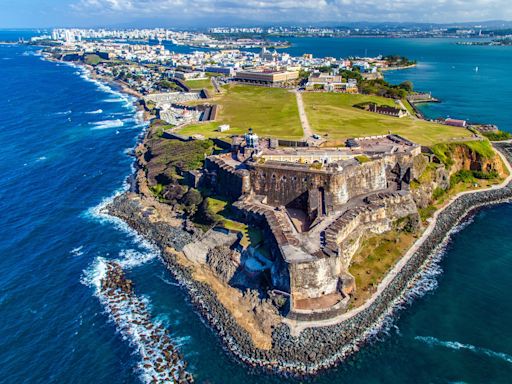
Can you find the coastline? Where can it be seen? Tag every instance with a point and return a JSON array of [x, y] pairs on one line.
[[398, 68], [355, 329]]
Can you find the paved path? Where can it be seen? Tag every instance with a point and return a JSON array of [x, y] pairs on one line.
[[297, 326], [303, 117]]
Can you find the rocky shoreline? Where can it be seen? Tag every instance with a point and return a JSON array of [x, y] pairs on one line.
[[318, 348], [161, 361]]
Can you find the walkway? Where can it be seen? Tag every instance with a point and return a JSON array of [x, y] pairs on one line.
[[302, 114]]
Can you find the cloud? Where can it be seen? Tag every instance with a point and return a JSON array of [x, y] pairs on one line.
[[303, 11]]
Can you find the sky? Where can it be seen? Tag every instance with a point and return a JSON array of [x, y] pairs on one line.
[[181, 13]]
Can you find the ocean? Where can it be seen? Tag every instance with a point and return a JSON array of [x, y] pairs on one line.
[[65, 151]]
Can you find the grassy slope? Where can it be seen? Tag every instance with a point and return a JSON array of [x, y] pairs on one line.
[[334, 114], [269, 111], [376, 256], [444, 151]]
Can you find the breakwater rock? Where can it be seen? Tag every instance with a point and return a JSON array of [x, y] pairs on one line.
[[320, 347], [161, 361]]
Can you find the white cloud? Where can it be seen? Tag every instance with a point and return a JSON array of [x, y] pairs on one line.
[[306, 10]]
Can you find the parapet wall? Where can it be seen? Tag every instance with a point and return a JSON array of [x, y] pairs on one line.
[[282, 185], [225, 179], [343, 236]]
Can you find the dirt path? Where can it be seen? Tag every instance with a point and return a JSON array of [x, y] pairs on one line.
[[303, 117]]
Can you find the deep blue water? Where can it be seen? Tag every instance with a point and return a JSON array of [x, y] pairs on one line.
[[59, 161]]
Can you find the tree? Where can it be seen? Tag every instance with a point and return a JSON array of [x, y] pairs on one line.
[[192, 199], [407, 86], [205, 215]]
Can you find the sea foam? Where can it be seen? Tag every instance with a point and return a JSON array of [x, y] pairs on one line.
[[96, 112], [434, 342], [107, 124]]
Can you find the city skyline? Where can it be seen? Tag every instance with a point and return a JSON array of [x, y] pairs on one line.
[[179, 13]]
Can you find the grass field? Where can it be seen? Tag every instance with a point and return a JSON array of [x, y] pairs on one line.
[[333, 114], [200, 84], [269, 111]]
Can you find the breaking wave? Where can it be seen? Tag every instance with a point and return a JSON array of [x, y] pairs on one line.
[[64, 113], [434, 342], [96, 112], [107, 124]]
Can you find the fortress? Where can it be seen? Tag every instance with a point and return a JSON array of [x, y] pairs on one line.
[[315, 206]]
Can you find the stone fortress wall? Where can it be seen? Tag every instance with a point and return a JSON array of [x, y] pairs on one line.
[[342, 200]]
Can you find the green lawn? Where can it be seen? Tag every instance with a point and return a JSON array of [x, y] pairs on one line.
[[269, 111], [333, 114], [200, 84]]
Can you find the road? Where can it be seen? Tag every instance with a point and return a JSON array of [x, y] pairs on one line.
[[303, 117]]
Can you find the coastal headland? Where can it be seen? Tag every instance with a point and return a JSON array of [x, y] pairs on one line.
[[305, 347], [281, 237]]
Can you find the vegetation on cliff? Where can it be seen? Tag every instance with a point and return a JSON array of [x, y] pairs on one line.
[[445, 152], [498, 135], [167, 166]]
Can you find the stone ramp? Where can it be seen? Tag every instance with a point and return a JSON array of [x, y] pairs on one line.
[[198, 250]]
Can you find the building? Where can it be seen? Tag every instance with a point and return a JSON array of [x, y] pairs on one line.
[[386, 110], [194, 75], [330, 83], [228, 71], [456, 122], [267, 77]]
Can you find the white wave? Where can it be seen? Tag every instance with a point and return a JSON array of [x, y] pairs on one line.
[[103, 87], [115, 100], [167, 281], [77, 251], [131, 258], [41, 158], [63, 113], [96, 112], [434, 342], [93, 275], [139, 117], [98, 213], [107, 124]]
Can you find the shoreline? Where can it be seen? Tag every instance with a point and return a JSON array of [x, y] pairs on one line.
[[399, 68], [294, 353]]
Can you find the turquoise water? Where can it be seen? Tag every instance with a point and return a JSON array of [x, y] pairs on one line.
[[64, 144]]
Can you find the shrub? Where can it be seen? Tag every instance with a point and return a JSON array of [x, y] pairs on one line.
[[427, 212], [438, 193], [498, 135], [362, 159]]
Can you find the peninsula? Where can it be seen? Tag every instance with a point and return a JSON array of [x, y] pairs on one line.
[[296, 199]]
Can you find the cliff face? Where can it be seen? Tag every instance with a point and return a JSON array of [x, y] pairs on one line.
[[430, 176], [465, 158]]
